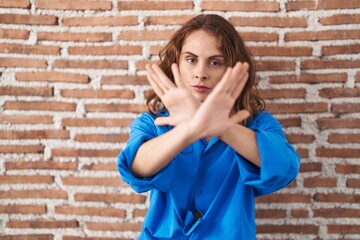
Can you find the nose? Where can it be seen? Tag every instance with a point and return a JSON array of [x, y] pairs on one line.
[[200, 73]]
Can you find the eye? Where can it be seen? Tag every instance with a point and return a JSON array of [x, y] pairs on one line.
[[191, 59], [216, 63]]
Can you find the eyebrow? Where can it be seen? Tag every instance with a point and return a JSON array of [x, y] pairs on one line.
[[213, 56]]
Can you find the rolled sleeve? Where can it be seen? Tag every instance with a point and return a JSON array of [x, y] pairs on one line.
[[279, 161], [142, 129]]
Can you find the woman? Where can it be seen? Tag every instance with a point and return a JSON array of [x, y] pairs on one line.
[[207, 147]]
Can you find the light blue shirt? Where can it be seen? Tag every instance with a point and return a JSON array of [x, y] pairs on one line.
[[211, 178]]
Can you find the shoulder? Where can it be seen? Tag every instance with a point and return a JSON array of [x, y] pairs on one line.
[[264, 120], [146, 123]]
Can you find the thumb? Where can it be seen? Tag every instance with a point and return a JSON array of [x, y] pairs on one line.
[[162, 121], [240, 116]]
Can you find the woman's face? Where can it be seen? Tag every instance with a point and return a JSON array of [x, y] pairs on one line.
[[201, 63]]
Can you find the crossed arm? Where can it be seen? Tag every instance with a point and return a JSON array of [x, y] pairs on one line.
[[194, 120]]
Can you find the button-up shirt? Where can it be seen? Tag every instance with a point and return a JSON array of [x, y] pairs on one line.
[[208, 190]]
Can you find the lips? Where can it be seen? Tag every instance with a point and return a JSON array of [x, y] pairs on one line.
[[200, 88]]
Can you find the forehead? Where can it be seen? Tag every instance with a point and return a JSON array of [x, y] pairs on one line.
[[201, 42]]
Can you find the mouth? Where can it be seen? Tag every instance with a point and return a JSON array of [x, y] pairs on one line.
[[200, 88]]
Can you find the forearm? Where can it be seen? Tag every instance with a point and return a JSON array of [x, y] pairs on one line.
[[243, 141], [155, 154]]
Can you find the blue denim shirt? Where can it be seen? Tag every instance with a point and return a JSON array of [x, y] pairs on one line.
[[211, 179]]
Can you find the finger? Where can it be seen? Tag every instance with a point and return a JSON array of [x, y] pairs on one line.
[[223, 84], [154, 84], [240, 116], [160, 121], [176, 74], [165, 81], [242, 80]]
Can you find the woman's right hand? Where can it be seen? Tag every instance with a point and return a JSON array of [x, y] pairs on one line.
[[180, 103]]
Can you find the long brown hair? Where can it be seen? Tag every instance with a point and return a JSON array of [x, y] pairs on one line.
[[231, 45]]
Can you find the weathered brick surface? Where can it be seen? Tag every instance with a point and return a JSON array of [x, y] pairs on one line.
[[72, 80]]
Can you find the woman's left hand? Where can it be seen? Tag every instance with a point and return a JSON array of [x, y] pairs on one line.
[[180, 103]]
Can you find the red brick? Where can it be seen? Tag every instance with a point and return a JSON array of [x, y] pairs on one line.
[[259, 36], [299, 213], [28, 119], [23, 209], [342, 49], [340, 19], [22, 62], [37, 105], [92, 211], [96, 122], [357, 77], [297, 107], [321, 4], [337, 197], [269, 21], [93, 153], [298, 229], [282, 93], [270, 213], [353, 183], [145, 35], [41, 165], [303, 152], [29, 49], [15, 4], [339, 92], [309, 78], [105, 50], [290, 122], [140, 212], [114, 138], [310, 167], [101, 167], [21, 149], [115, 108], [74, 37], [343, 229], [337, 213], [101, 21], [330, 64], [284, 198], [315, 182], [42, 223], [109, 198], [38, 194], [256, 6], [328, 123], [35, 134], [26, 91], [281, 51], [26, 179], [14, 34], [94, 64], [27, 237], [71, 5], [155, 5], [28, 19], [268, 65], [52, 77], [168, 20], [347, 169], [101, 226], [322, 35], [300, 138], [344, 138], [124, 80], [338, 152], [93, 181], [345, 107], [89, 93]]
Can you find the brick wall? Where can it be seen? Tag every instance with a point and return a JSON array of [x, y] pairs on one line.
[[72, 79]]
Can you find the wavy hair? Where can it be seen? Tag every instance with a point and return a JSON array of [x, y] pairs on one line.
[[231, 45]]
